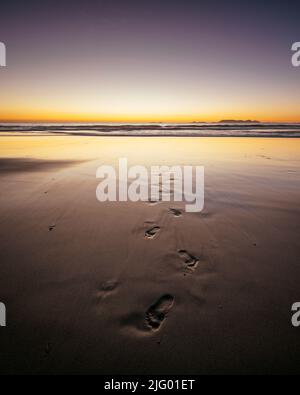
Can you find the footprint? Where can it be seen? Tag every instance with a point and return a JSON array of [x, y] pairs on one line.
[[152, 202], [177, 213], [158, 312], [109, 286], [264, 157], [190, 260], [48, 349], [152, 232], [106, 289]]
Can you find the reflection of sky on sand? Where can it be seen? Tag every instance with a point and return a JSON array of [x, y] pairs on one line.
[[156, 150]]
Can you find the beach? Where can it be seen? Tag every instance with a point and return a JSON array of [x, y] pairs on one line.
[[88, 291]]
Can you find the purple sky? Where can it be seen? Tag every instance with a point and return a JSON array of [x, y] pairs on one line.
[[149, 60]]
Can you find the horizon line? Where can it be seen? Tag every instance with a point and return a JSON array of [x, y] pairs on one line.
[[145, 121]]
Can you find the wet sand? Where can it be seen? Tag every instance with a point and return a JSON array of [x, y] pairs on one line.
[[145, 288]]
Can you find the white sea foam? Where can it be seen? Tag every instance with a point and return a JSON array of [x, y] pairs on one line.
[[159, 129]]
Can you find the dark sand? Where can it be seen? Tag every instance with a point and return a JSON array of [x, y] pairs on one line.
[[87, 291]]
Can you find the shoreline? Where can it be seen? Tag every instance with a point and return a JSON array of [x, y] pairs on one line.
[[162, 135]]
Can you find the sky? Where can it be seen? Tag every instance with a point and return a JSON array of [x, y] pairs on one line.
[[149, 61]]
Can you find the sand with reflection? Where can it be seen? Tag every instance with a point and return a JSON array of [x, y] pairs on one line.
[[93, 295]]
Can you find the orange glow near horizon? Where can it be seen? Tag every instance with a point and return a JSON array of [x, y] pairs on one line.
[[142, 106], [69, 95], [69, 117]]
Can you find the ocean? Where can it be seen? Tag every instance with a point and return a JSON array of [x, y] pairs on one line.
[[234, 129]]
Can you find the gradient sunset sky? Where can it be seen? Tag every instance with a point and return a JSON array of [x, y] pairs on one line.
[[166, 60]]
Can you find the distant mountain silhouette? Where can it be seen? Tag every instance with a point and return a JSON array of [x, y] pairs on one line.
[[237, 121]]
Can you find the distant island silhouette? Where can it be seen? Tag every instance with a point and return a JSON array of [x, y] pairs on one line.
[[237, 121]]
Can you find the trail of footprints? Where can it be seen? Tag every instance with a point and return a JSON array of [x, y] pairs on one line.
[[157, 313]]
